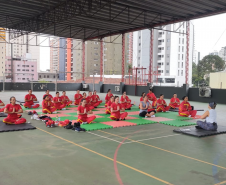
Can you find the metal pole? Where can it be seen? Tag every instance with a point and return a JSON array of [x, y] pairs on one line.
[[56, 82], [150, 77], [11, 62], [3, 88], [83, 61], [187, 53], [32, 86], [123, 56], [101, 60], [93, 83]]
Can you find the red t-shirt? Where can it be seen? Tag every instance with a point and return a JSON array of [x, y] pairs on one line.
[[151, 96], [161, 102], [50, 96], [64, 98], [89, 99], [77, 96], [56, 99], [81, 109], [0, 101], [45, 104], [185, 106], [109, 104], [95, 98], [107, 98], [114, 106], [28, 97], [174, 99], [10, 107]]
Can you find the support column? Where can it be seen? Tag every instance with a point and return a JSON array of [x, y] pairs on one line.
[[83, 61], [123, 56], [131, 47], [187, 52], [56, 81], [150, 73], [101, 60]]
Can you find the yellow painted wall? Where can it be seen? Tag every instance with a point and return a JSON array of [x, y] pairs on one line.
[[218, 80]]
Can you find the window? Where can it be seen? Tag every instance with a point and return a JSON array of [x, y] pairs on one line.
[[178, 56], [181, 72], [167, 71], [139, 44], [23, 69], [32, 70], [182, 64], [178, 73], [32, 66], [139, 51], [179, 40], [178, 64], [168, 48], [182, 48], [23, 78], [179, 48], [27, 69], [168, 40], [167, 63], [18, 65], [47, 76], [139, 37], [183, 41], [44, 76], [23, 65], [40, 76], [182, 57], [27, 65], [18, 69]]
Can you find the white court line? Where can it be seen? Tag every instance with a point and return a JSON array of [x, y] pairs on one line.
[[104, 137], [151, 138]]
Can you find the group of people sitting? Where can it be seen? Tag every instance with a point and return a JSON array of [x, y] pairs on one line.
[[114, 107]]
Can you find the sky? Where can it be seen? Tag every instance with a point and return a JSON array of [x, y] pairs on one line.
[[210, 35]]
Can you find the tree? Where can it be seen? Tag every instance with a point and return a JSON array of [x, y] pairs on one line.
[[209, 64]]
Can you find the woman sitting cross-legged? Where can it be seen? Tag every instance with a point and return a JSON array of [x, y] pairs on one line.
[[185, 109], [13, 110], [116, 107], [108, 108], [211, 118], [47, 105], [146, 109]]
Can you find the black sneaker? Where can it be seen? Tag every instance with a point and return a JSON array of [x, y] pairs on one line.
[[52, 125], [117, 119], [198, 127]]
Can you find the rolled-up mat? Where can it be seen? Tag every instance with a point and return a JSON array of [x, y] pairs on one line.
[[2, 114], [10, 128], [22, 101]]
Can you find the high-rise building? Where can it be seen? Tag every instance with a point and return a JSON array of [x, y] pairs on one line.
[[2, 52], [22, 45], [196, 57], [54, 54], [169, 53], [214, 53]]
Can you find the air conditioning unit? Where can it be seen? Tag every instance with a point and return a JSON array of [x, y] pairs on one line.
[[205, 92], [117, 88], [85, 86]]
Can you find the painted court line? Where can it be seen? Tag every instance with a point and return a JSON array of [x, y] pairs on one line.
[[104, 137], [168, 151], [224, 182], [152, 138], [104, 156]]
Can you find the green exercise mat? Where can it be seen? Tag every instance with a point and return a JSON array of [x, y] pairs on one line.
[[72, 113], [95, 126], [171, 115], [177, 123], [104, 119]]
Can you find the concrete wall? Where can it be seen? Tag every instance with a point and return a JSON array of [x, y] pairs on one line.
[[69, 86], [217, 80], [110, 86], [43, 86]]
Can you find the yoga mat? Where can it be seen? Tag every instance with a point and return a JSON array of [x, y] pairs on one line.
[[10, 128], [177, 123]]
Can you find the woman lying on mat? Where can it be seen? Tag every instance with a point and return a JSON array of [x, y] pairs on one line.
[[161, 104], [65, 99], [29, 100], [125, 101], [185, 109], [174, 102], [116, 107], [96, 98], [2, 104], [78, 97], [108, 108], [108, 96], [146, 109], [58, 102], [211, 118], [47, 105], [82, 112], [13, 110]]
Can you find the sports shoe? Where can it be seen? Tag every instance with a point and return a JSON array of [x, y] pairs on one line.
[[189, 116], [52, 126], [64, 109], [32, 117], [198, 127], [83, 123], [54, 112], [153, 116], [146, 116], [47, 126]]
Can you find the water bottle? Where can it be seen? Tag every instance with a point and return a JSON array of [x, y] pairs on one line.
[[57, 120]]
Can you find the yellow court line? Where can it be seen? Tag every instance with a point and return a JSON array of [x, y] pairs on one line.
[[165, 150], [223, 182], [123, 164]]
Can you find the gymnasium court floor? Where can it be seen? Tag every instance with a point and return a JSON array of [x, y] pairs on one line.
[[146, 154]]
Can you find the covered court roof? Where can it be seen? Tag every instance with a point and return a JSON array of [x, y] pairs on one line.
[[89, 19]]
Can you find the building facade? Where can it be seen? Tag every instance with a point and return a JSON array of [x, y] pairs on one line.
[[169, 53], [20, 70]]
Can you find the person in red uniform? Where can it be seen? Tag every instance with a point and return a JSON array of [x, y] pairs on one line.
[[89, 100], [78, 97], [96, 98], [13, 110], [108, 96], [82, 112], [58, 102], [65, 99], [174, 102], [29, 100], [116, 107], [151, 96], [47, 105], [2, 104], [162, 105], [50, 97], [108, 108], [125, 101], [185, 109]]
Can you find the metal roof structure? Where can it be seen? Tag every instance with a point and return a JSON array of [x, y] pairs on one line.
[[89, 19]]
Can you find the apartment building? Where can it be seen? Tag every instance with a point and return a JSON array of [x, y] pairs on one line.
[[169, 53], [54, 54]]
